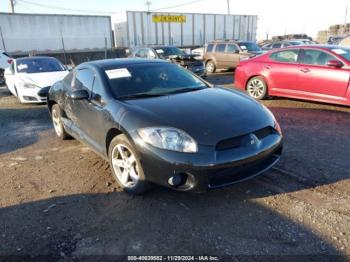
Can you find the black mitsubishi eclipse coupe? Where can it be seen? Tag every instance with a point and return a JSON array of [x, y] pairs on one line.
[[157, 123]]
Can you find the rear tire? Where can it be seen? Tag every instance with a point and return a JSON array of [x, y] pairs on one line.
[[56, 115], [257, 88], [126, 166], [210, 67]]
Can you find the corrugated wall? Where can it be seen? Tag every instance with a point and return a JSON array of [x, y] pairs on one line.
[[197, 30], [26, 32]]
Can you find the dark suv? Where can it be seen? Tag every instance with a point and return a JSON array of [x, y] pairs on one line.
[[226, 54], [172, 54]]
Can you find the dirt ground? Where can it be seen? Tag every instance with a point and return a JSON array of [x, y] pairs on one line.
[[58, 199]]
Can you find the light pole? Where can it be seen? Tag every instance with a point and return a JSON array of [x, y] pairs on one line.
[[228, 7], [148, 3], [12, 6]]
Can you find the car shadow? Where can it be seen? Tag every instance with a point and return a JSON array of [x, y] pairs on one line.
[[221, 222], [21, 127]]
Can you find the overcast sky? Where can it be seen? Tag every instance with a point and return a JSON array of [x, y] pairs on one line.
[[276, 17]]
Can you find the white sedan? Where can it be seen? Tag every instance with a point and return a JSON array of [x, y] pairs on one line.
[[30, 78]]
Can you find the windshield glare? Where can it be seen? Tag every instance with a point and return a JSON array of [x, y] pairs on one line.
[[249, 46], [343, 52], [153, 79], [38, 65], [166, 52]]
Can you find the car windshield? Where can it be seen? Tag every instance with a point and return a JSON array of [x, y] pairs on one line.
[[38, 65], [168, 52], [295, 42], [343, 52], [250, 46], [151, 79]]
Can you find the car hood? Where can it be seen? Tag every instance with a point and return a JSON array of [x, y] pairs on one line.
[[209, 115], [186, 60], [43, 79]]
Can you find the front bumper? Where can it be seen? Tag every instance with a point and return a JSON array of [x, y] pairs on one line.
[[33, 95], [209, 168], [198, 70]]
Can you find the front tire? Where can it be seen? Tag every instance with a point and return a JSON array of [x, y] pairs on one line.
[[56, 115], [257, 88], [126, 166], [210, 67]]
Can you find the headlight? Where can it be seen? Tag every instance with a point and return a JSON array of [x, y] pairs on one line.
[[27, 85], [168, 138], [277, 126]]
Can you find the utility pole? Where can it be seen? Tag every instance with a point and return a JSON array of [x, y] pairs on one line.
[[12, 6], [228, 7], [148, 3], [346, 14]]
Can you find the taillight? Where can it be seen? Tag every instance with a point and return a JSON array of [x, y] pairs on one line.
[[9, 61]]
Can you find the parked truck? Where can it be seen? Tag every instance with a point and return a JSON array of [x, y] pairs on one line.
[[182, 29], [44, 33]]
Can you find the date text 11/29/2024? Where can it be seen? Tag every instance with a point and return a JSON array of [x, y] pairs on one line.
[[173, 258]]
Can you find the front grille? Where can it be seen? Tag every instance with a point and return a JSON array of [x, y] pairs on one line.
[[244, 172], [193, 63], [238, 141]]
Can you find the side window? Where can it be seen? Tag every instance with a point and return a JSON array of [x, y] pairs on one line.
[[210, 48], [316, 57], [84, 78], [232, 49], [220, 48], [277, 45], [287, 56], [286, 44], [140, 53]]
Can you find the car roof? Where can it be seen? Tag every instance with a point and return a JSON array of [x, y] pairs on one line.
[[34, 57], [317, 46], [119, 62]]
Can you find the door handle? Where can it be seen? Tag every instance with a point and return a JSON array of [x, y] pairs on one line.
[[305, 70], [268, 67]]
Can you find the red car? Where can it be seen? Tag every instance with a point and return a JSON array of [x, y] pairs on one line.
[[313, 72]]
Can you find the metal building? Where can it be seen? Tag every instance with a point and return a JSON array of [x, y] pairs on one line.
[[182, 29]]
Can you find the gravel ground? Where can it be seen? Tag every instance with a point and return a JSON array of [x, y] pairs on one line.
[[59, 200]]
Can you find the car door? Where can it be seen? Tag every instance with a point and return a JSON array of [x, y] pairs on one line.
[[232, 57], [220, 56], [317, 78], [82, 112], [282, 69]]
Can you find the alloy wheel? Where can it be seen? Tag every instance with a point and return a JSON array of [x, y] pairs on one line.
[[125, 166], [256, 88], [56, 120]]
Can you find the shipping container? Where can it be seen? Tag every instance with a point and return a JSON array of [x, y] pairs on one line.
[[182, 29], [43, 33]]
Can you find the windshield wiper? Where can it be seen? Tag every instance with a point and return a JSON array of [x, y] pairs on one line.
[[183, 90], [139, 95]]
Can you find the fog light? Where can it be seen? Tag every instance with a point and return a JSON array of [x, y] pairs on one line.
[[175, 180], [29, 98]]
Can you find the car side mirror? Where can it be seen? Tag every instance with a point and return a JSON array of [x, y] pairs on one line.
[[79, 95], [335, 64], [236, 52]]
